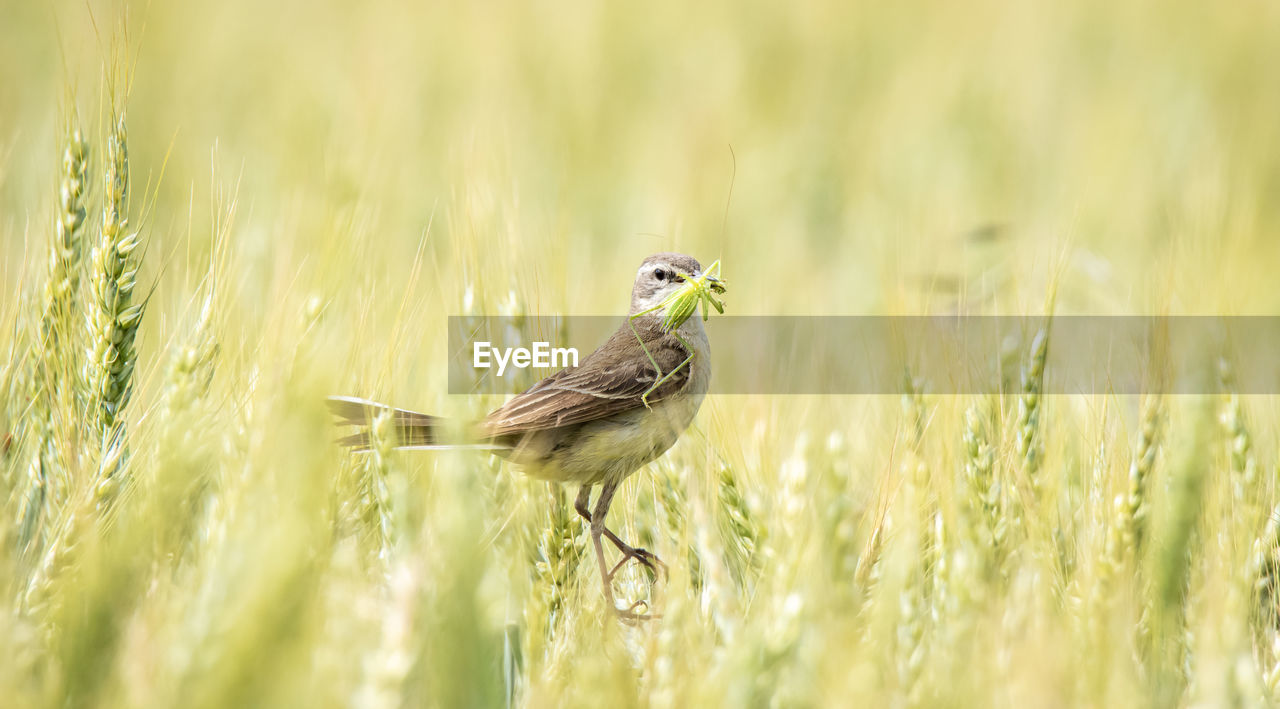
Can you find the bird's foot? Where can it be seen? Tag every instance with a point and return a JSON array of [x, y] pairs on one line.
[[645, 557], [630, 616]]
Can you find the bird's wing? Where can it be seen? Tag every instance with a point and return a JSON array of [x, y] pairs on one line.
[[610, 380]]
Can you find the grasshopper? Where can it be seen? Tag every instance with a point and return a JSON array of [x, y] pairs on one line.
[[680, 306]]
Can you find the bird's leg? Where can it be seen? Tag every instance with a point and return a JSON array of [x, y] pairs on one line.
[[597, 530], [648, 558]]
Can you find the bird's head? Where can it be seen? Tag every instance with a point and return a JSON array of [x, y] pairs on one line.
[[661, 276]]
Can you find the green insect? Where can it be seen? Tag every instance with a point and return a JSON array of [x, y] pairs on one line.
[[681, 305]]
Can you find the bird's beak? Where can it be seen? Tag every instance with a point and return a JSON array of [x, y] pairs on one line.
[[716, 284]]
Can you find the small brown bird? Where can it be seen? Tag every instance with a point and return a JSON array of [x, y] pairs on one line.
[[588, 425]]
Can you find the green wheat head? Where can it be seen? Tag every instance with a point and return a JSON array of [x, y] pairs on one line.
[[112, 315]]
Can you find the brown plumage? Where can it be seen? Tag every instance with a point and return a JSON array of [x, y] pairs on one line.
[[588, 424], [609, 381]]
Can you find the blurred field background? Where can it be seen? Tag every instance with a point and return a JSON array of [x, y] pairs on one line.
[[318, 185]]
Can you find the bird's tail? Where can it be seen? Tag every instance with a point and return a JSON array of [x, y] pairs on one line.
[[410, 428]]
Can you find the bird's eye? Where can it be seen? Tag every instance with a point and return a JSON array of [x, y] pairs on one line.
[[660, 274]]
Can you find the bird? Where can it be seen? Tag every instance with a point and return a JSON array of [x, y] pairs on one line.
[[592, 425]]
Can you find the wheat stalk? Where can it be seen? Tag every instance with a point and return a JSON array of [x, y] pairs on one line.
[[77, 520], [1127, 526], [1030, 405], [985, 520], [1172, 563], [55, 559], [840, 517], [673, 501], [739, 528], [558, 552], [1244, 466], [62, 286], [46, 474], [113, 318], [1133, 521], [912, 650], [916, 600], [191, 368]]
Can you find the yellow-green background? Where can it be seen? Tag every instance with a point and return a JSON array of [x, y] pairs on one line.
[[385, 159]]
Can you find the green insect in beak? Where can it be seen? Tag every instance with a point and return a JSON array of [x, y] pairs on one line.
[[680, 306]]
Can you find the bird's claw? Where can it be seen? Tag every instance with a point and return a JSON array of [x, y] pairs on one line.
[[645, 557], [630, 616]]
